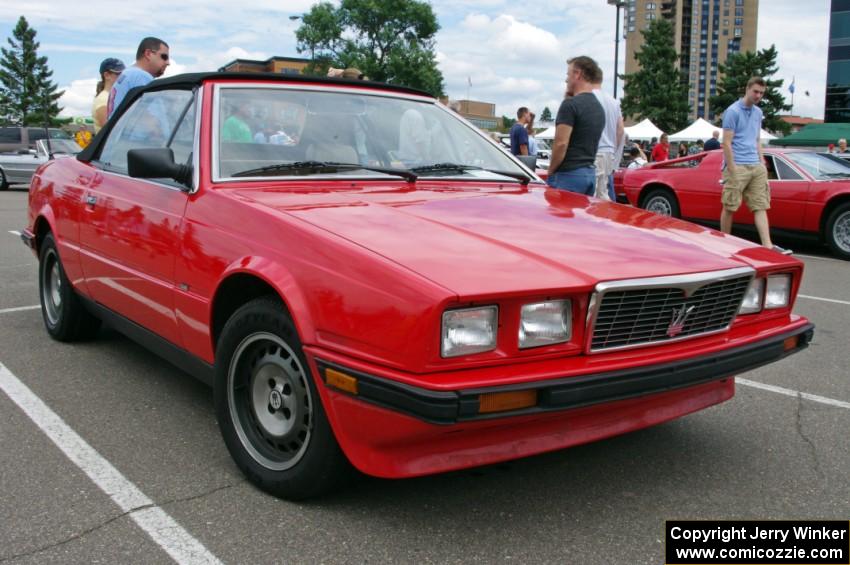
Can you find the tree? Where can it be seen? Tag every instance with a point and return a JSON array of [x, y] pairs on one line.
[[737, 71], [388, 40], [546, 115], [659, 90], [27, 95]]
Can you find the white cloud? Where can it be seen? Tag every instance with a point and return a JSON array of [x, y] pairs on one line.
[[78, 97]]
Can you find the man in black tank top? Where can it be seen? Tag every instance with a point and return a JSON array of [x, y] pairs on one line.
[[578, 127]]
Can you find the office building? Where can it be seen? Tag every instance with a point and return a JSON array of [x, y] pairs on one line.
[[285, 65], [706, 33], [837, 107]]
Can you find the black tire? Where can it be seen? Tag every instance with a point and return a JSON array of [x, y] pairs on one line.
[[65, 317], [837, 231], [661, 201], [3, 184], [268, 409]]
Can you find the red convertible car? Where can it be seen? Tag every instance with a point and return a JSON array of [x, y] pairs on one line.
[[367, 281], [810, 193]]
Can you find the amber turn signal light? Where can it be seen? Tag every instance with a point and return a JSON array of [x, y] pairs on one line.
[[341, 381], [506, 401], [790, 343]]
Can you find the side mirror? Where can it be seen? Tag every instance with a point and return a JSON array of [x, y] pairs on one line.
[[157, 163]]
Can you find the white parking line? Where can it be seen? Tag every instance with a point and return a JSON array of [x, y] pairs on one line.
[[19, 309], [793, 393], [824, 299], [161, 527]]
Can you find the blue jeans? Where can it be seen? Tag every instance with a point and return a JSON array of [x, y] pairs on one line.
[[611, 193], [582, 180]]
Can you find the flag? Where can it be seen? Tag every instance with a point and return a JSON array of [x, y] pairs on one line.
[[791, 86]]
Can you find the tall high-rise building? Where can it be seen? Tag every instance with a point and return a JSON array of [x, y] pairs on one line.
[[706, 33], [837, 108]]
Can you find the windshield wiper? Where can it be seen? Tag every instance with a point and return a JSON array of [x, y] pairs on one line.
[[318, 167], [441, 167]]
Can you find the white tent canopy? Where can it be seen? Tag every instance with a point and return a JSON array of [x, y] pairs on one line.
[[548, 133], [643, 130], [700, 129]]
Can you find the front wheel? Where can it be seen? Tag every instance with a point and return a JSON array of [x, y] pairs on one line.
[[4, 184], [837, 234], [662, 202], [268, 409]]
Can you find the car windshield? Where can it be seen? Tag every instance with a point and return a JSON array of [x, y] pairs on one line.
[[819, 166], [68, 146], [260, 130]]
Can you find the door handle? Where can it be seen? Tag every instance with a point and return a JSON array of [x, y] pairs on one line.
[[91, 200]]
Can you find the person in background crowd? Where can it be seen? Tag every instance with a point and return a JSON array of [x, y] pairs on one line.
[[696, 148], [744, 171], [661, 151], [519, 135], [578, 127], [714, 142], [842, 145], [637, 158], [152, 58], [683, 149], [110, 70], [610, 149], [532, 141], [652, 143], [235, 128]]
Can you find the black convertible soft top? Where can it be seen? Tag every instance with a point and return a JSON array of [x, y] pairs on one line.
[[194, 80]]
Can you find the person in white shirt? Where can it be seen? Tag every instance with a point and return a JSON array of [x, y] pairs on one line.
[[637, 158], [610, 143]]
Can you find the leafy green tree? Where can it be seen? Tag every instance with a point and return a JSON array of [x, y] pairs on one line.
[[737, 71], [658, 90], [27, 95], [507, 123], [546, 115], [388, 40]]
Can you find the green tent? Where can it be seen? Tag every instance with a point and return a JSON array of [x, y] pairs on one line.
[[815, 135]]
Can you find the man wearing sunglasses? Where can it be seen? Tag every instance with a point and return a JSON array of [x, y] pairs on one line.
[[152, 58]]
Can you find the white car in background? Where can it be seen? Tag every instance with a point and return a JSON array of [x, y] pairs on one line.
[[18, 168]]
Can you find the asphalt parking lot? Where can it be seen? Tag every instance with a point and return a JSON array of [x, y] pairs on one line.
[[779, 451]]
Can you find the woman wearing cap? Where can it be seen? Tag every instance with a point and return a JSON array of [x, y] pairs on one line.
[[109, 70]]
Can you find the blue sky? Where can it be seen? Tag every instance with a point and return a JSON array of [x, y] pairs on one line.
[[513, 52]]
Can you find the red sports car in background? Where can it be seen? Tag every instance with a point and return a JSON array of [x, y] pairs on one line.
[[810, 192], [367, 280]]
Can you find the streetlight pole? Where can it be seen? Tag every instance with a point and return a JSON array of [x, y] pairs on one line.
[[617, 4]]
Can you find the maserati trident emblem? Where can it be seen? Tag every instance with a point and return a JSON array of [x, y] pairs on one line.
[[678, 318]]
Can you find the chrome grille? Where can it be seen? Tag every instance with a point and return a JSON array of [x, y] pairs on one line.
[[647, 311]]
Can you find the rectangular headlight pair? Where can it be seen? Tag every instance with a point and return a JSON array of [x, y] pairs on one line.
[[776, 295], [474, 330]]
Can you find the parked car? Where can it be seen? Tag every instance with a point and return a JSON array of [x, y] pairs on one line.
[[13, 138], [18, 168], [359, 300], [810, 193]]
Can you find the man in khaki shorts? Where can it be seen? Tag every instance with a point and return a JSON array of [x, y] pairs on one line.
[[744, 173]]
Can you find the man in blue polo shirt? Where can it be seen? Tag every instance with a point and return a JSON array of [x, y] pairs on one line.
[[744, 172], [519, 134], [152, 58]]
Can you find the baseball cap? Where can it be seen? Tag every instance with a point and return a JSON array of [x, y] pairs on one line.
[[111, 64]]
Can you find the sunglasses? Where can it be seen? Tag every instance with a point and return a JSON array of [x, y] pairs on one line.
[[163, 56]]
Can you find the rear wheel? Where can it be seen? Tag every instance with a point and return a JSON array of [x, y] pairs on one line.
[[837, 234], [65, 317], [662, 202], [3, 183], [268, 408]]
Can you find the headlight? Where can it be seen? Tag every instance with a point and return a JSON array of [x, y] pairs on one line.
[[778, 291], [545, 323], [471, 330], [752, 299]]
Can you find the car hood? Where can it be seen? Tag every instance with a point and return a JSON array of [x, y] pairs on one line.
[[489, 240]]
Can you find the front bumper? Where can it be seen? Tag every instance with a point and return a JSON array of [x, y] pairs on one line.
[[575, 392], [392, 429]]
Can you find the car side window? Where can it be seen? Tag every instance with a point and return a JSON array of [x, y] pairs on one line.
[[770, 165], [10, 135], [149, 122], [785, 171]]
